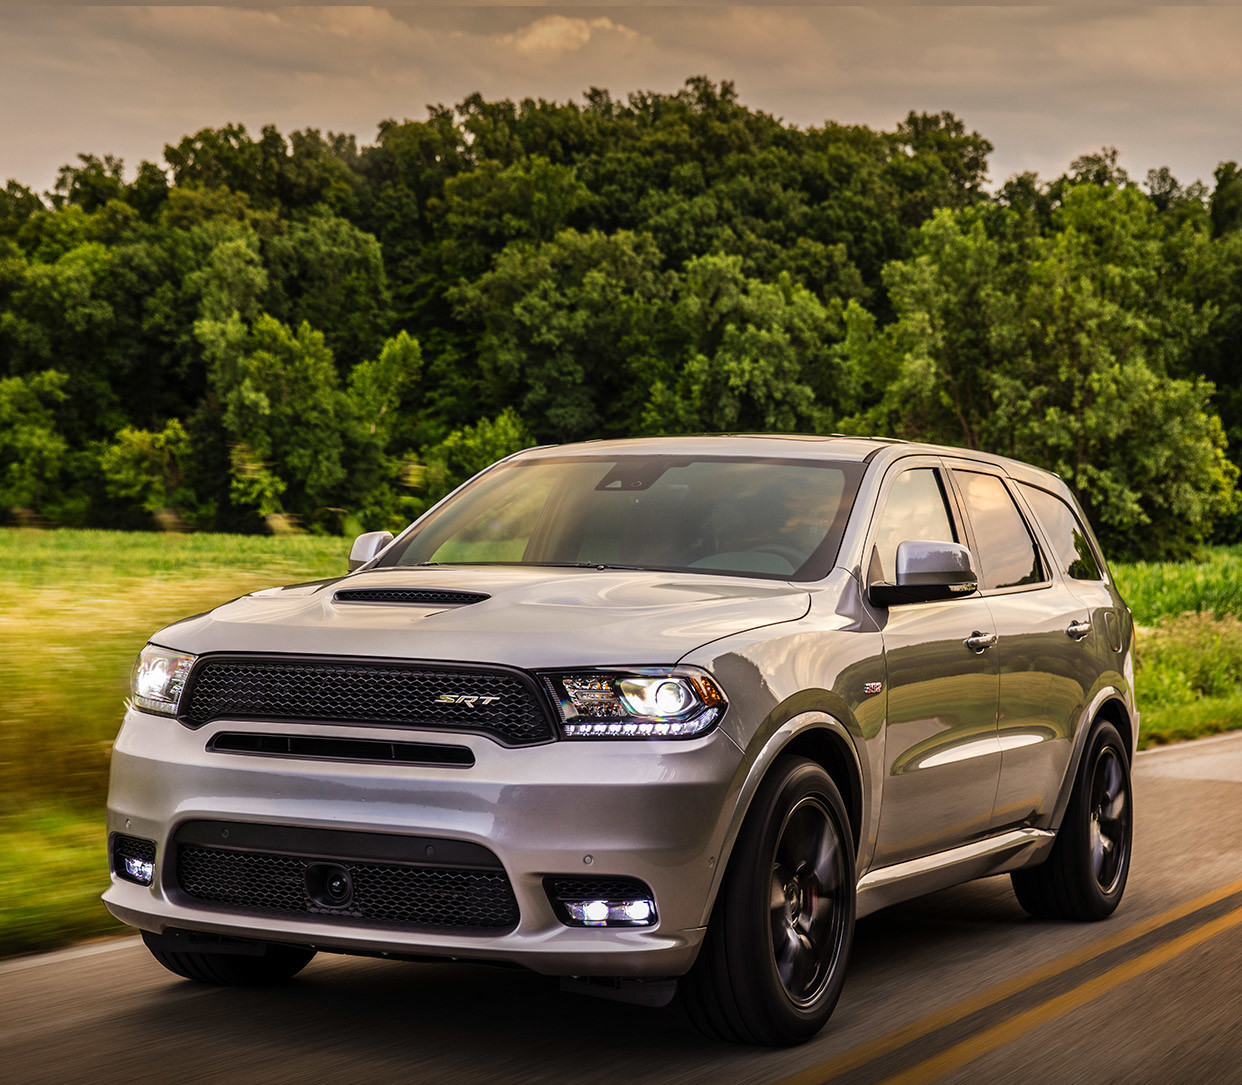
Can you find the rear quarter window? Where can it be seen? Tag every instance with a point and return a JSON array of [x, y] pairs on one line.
[[1065, 532]]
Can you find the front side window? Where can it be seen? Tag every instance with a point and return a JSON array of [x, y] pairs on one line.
[[780, 519], [915, 509], [1066, 533], [1006, 550]]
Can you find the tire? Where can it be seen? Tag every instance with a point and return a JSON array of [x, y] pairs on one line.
[[1085, 874], [275, 964], [774, 958]]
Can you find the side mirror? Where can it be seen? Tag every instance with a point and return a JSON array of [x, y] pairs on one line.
[[927, 571], [366, 547]]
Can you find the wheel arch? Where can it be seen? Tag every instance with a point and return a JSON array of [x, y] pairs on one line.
[[818, 736], [1108, 704]]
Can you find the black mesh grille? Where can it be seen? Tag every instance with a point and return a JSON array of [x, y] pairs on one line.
[[418, 596], [597, 889], [346, 691], [133, 847], [383, 894]]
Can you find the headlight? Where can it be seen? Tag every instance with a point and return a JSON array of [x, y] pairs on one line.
[[158, 679], [649, 703]]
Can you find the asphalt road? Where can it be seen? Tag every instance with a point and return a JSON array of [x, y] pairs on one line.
[[959, 987]]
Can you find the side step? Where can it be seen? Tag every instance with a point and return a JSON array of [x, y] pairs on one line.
[[979, 859]]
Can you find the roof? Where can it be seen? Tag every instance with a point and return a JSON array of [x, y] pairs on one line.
[[833, 446], [781, 445]]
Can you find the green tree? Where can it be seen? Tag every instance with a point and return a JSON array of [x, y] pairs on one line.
[[756, 355], [330, 274], [381, 469], [569, 332], [32, 452], [148, 469], [283, 410], [465, 452], [1058, 350]]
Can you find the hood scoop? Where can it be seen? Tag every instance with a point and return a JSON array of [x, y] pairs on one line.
[[419, 597]]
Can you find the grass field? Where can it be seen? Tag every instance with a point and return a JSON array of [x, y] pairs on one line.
[[79, 605]]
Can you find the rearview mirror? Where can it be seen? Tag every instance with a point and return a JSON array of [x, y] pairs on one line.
[[366, 547], [926, 571]]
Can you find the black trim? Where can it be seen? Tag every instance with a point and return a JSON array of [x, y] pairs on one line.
[[446, 597], [337, 844], [327, 748]]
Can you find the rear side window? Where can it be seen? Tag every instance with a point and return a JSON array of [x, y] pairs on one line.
[[1006, 550], [1065, 531], [915, 509]]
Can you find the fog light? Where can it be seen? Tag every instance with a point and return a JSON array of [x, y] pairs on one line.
[[141, 871], [610, 913]]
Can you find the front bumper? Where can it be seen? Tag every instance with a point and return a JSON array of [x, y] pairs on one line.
[[652, 810]]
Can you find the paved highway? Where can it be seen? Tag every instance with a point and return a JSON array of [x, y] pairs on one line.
[[957, 987]]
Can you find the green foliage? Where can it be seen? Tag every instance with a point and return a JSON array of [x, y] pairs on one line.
[[569, 332], [328, 273], [32, 453], [149, 468], [282, 407], [314, 317], [1211, 585], [757, 355], [1057, 349], [467, 451]]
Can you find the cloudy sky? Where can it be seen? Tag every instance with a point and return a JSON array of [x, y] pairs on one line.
[[1161, 83]]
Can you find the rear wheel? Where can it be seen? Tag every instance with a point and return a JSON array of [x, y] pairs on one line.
[[274, 964], [773, 962], [1085, 874]]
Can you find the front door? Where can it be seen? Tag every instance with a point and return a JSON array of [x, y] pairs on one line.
[[942, 757]]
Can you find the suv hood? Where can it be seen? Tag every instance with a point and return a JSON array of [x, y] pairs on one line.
[[532, 618]]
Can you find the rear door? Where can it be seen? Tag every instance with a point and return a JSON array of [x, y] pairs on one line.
[[1044, 650], [941, 755]]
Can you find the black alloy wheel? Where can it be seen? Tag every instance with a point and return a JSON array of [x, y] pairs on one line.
[[1110, 819], [1084, 875], [773, 962], [808, 877]]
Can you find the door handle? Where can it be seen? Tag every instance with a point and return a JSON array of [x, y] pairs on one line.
[[1078, 630], [980, 642]]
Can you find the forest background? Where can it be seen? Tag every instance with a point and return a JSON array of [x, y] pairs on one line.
[[298, 332]]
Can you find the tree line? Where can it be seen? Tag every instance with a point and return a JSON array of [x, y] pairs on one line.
[[298, 331]]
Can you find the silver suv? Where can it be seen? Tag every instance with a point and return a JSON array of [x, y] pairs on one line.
[[662, 717]]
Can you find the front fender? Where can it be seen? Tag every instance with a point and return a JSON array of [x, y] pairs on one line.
[[800, 715]]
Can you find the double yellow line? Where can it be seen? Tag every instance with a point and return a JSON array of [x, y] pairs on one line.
[[1007, 1031]]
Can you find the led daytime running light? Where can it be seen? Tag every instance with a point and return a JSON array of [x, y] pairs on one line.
[[653, 703]]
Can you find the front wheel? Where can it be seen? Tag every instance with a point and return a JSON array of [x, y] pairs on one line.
[[274, 964], [1085, 874], [773, 962]]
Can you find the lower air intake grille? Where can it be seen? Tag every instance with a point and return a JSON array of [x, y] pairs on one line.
[[497, 703], [384, 894], [132, 847], [596, 888]]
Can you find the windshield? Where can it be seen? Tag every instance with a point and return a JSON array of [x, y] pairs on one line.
[[781, 519]]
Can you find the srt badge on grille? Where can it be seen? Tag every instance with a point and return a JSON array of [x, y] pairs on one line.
[[468, 699]]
